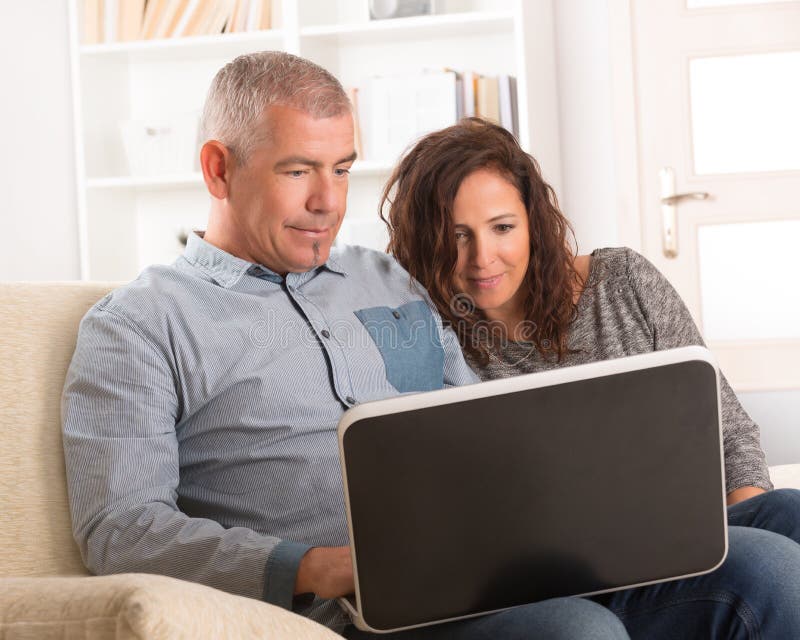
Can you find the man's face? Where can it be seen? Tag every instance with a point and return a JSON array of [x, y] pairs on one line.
[[288, 201]]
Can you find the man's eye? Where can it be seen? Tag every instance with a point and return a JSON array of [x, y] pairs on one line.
[[341, 172], [297, 173]]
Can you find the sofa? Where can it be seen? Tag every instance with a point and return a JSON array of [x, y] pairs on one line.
[[45, 591]]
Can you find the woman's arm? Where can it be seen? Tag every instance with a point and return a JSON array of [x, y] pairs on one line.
[[672, 326], [743, 493]]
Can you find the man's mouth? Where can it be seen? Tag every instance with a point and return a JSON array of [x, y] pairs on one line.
[[311, 232]]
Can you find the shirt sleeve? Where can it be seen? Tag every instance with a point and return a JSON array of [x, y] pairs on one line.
[[671, 326], [119, 408]]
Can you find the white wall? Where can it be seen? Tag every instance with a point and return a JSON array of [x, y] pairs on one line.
[[778, 414], [588, 193], [39, 239]]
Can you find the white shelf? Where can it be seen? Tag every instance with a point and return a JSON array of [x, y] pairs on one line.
[[167, 78], [444, 25], [195, 179], [190, 47]]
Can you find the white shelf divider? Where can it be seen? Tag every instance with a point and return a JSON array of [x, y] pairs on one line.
[[187, 47], [147, 182], [195, 179], [442, 24]]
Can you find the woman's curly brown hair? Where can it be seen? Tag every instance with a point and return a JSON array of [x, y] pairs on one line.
[[420, 196]]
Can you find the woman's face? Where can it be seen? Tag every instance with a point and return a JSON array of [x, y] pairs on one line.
[[491, 226]]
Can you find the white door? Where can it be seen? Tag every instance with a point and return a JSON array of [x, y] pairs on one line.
[[717, 86]]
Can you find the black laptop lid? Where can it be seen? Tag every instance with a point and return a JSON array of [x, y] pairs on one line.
[[568, 489]]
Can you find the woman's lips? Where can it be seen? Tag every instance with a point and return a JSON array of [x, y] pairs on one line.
[[486, 283]]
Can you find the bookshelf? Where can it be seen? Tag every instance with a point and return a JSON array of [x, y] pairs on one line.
[[129, 219]]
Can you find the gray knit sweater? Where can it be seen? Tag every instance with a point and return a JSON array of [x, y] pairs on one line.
[[628, 308]]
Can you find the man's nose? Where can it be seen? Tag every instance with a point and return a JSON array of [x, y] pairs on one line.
[[324, 195]]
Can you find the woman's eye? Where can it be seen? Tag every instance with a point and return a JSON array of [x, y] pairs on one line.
[[460, 235], [504, 228]]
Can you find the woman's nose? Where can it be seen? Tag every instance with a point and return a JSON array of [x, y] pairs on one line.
[[482, 253]]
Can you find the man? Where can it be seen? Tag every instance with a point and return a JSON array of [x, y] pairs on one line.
[[201, 405]]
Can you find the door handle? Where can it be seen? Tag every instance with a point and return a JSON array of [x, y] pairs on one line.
[[694, 195], [669, 210]]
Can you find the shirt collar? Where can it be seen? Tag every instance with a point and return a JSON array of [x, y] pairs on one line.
[[226, 269]]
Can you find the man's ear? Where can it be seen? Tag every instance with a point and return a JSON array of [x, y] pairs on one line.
[[216, 161]]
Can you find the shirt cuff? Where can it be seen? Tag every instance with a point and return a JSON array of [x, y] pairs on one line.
[[281, 573]]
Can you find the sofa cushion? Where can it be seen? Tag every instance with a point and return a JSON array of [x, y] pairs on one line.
[[39, 327], [132, 606]]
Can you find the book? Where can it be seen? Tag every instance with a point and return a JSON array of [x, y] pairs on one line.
[[170, 18], [129, 22], [514, 107], [93, 24], [241, 18], [110, 8], [276, 17], [220, 17], [459, 96], [352, 94], [197, 18], [469, 84], [266, 15], [153, 12], [230, 26], [180, 28], [459, 93], [506, 98], [488, 102], [253, 15]]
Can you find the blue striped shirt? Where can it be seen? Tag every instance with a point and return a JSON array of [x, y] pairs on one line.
[[201, 405]]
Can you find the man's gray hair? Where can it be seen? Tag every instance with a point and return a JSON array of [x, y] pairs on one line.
[[245, 87]]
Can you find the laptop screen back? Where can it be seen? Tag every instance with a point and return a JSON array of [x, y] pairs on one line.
[[569, 489]]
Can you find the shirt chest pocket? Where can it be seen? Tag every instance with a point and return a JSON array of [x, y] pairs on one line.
[[407, 338]]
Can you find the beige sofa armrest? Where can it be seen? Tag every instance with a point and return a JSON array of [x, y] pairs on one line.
[[138, 606]]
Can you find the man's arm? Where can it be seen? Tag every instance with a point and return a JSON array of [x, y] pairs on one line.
[[120, 406]]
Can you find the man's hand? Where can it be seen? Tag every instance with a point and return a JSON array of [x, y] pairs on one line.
[[326, 572]]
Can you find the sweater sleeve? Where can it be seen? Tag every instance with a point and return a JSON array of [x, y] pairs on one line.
[[672, 326]]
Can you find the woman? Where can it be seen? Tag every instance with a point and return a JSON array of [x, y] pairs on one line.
[[474, 222]]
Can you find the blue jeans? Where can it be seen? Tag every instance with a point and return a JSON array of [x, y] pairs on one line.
[[755, 594]]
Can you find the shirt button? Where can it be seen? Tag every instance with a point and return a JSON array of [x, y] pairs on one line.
[[325, 333], [350, 400], [396, 314]]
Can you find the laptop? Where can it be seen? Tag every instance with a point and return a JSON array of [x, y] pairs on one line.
[[578, 481]]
